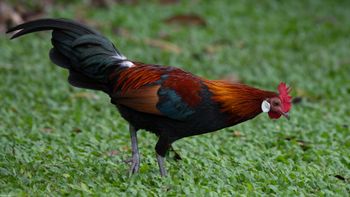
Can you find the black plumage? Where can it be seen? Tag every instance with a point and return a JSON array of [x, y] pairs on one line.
[[167, 101]]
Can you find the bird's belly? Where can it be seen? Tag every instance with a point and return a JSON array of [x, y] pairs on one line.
[[173, 128]]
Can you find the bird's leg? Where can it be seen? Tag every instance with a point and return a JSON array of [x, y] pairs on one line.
[[162, 147], [161, 164], [135, 160]]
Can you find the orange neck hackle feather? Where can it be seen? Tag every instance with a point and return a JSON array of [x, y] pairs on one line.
[[238, 99]]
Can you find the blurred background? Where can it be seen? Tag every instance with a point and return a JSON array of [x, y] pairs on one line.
[[52, 131]]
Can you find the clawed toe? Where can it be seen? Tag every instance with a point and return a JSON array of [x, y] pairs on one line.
[[134, 167]]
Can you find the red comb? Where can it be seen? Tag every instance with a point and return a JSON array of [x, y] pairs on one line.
[[284, 91]]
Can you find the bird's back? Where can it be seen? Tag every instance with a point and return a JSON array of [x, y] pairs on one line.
[[180, 105]]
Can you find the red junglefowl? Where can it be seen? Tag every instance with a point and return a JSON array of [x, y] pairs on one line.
[[164, 100]]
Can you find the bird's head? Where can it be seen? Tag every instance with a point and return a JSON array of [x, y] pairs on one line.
[[279, 105]]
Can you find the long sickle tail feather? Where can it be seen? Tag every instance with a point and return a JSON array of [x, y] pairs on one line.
[[50, 24], [84, 52]]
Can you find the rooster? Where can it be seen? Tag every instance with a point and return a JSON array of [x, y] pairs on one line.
[[164, 100]]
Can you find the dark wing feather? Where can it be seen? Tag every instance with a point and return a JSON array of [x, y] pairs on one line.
[[179, 95], [159, 90]]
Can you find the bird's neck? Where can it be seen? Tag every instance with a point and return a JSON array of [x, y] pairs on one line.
[[239, 101]]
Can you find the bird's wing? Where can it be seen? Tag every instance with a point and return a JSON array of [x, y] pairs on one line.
[[143, 99], [158, 90]]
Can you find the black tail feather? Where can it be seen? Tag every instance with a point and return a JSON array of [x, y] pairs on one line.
[[87, 55], [59, 59], [81, 81], [50, 24]]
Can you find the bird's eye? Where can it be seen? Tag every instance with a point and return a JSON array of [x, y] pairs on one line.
[[276, 103]]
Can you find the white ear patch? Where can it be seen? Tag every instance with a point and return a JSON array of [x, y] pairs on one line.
[[265, 106]]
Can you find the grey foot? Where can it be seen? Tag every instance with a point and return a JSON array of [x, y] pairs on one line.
[[135, 165]]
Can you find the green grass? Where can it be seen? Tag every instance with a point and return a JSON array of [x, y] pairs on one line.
[[56, 139]]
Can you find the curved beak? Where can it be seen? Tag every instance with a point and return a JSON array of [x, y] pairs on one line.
[[285, 114]]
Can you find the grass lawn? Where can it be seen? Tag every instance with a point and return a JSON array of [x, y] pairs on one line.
[[56, 139]]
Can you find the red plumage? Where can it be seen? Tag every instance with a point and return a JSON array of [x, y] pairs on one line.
[[186, 86], [136, 77], [165, 100]]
